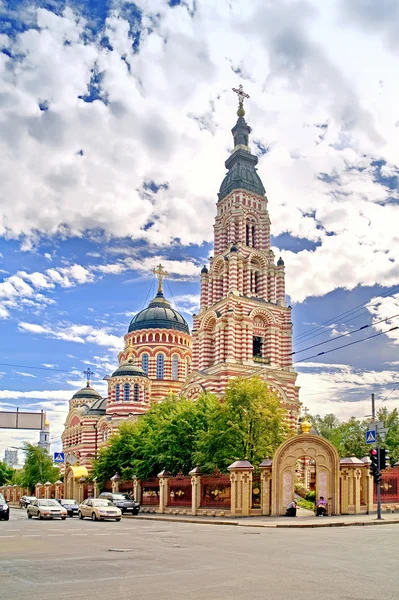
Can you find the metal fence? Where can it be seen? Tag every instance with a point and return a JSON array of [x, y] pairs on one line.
[[215, 491]]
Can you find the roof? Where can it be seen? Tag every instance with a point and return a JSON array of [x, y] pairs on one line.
[[86, 392], [129, 369], [242, 173], [79, 472], [159, 315], [99, 407]]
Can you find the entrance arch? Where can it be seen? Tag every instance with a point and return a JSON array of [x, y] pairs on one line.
[[326, 460]]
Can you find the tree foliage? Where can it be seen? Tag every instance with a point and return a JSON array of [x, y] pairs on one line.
[[349, 436], [177, 434], [6, 473], [38, 467], [248, 424]]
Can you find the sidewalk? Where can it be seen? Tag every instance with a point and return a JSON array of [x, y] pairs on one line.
[[303, 520]]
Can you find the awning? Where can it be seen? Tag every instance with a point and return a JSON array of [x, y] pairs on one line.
[[79, 472]]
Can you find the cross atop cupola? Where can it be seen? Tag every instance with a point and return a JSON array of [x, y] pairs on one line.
[[160, 274]]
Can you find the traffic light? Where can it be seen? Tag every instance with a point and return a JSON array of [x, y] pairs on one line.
[[374, 464], [384, 458]]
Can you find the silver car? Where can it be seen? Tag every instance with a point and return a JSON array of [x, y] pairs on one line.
[[45, 508]]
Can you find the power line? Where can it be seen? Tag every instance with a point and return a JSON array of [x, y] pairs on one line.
[[31, 367], [355, 309], [337, 337], [346, 345]]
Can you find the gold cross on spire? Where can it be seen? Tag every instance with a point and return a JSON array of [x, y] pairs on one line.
[[241, 97], [160, 274]]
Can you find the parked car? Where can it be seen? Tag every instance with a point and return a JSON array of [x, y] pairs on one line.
[[122, 501], [26, 500], [71, 506], [99, 509], [46, 508], [4, 509]]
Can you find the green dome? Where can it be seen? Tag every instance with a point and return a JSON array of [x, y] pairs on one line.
[[159, 315], [129, 369], [87, 393], [99, 407]]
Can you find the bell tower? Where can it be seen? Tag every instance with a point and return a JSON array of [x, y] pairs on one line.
[[244, 326]]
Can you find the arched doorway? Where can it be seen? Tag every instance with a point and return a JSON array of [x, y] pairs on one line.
[[325, 459]]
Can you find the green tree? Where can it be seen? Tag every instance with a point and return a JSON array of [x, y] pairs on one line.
[[248, 424], [391, 422], [167, 436], [6, 473], [38, 467], [347, 436]]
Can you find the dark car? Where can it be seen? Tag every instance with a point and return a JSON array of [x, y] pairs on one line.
[[26, 500], [71, 506], [4, 509], [122, 501]]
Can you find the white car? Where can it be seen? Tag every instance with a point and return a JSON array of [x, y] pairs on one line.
[[45, 508], [98, 509]]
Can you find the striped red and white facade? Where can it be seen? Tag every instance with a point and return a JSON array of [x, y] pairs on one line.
[[243, 327]]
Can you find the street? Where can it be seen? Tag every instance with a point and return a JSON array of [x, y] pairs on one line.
[[136, 558]]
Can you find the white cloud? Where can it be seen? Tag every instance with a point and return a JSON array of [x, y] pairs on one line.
[[383, 308], [80, 334], [25, 374]]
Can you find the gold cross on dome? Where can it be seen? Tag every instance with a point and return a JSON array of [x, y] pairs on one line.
[[160, 274], [241, 94]]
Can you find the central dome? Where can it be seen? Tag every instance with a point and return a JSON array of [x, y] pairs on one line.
[[159, 315]]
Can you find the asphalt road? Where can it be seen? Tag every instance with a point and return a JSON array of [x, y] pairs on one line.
[[84, 560]]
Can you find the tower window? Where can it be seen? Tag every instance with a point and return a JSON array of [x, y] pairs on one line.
[[136, 392], [117, 392], [247, 235], [126, 392], [175, 367], [187, 367], [257, 346], [253, 237], [160, 366], [144, 363], [257, 286]]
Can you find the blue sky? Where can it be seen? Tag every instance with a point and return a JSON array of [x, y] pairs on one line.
[[114, 127]]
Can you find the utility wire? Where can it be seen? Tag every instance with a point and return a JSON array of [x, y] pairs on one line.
[[31, 367], [346, 313], [346, 345], [337, 337]]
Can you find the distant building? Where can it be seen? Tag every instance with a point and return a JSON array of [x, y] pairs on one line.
[[44, 438], [11, 457]]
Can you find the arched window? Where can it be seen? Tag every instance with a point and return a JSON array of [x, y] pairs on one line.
[[160, 366], [144, 395], [144, 363], [136, 392], [117, 392], [187, 367], [247, 235], [175, 367], [126, 392], [253, 236]]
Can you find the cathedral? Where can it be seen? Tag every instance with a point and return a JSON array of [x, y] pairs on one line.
[[243, 327]]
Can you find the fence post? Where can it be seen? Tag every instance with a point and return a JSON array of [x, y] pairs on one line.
[[115, 481], [241, 487], [195, 489], [265, 479], [137, 489], [163, 477]]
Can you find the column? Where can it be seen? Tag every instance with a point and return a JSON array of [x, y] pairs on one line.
[[265, 480], [47, 489], [241, 488], [233, 273], [204, 290], [163, 477], [137, 489], [344, 478], [195, 489], [115, 482], [357, 474], [280, 285]]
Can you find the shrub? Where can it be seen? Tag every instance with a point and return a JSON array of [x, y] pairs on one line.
[[311, 496]]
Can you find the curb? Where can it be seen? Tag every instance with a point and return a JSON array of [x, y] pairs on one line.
[[266, 525]]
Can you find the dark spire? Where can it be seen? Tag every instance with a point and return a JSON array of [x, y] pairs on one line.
[[241, 164]]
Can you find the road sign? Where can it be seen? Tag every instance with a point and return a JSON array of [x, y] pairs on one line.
[[71, 458], [59, 457], [371, 437]]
